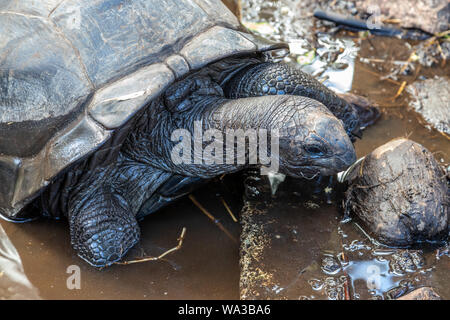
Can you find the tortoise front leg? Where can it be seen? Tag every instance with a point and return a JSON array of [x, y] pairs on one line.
[[102, 225], [269, 78]]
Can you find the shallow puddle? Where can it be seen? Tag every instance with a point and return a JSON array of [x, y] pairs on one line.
[[206, 266]]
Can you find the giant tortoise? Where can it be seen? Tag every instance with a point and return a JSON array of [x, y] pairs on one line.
[[92, 91]]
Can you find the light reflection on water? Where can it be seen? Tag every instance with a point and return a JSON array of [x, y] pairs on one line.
[[374, 273]]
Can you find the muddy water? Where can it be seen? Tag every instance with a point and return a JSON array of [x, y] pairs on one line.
[[398, 269], [337, 261], [397, 118], [207, 265]]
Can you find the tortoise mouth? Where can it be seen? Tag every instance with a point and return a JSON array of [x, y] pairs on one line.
[[308, 172]]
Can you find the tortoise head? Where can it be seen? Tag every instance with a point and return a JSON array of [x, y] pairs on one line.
[[315, 142], [306, 139]]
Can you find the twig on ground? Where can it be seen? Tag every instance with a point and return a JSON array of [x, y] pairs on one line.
[[145, 259], [379, 76], [376, 60], [444, 59], [400, 90], [212, 218], [347, 282], [228, 210]]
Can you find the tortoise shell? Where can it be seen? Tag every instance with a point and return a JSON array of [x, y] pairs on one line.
[[74, 72]]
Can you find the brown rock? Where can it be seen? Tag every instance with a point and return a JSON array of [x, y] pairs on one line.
[[400, 192]]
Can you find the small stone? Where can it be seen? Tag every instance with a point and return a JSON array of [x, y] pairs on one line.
[[424, 293], [330, 265], [431, 98]]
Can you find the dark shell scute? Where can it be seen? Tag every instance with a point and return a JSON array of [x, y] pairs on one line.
[[42, 83], [178, 65], [214, 44], [115, 38], [73, 73], [115, 104]]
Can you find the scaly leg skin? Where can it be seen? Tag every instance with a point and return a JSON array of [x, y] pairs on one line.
[[270, 78], [102, 226]]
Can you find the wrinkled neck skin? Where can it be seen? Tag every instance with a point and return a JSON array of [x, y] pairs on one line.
[[193, 101]]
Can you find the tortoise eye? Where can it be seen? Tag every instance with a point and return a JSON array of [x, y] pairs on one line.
[[314, 150]]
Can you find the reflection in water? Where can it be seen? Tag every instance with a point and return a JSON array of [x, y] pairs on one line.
[[374, 273], [313, 254], [14, 284], [335, 63]]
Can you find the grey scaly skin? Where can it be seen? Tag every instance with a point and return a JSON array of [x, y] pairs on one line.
[[103, 204], [279, 79]]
